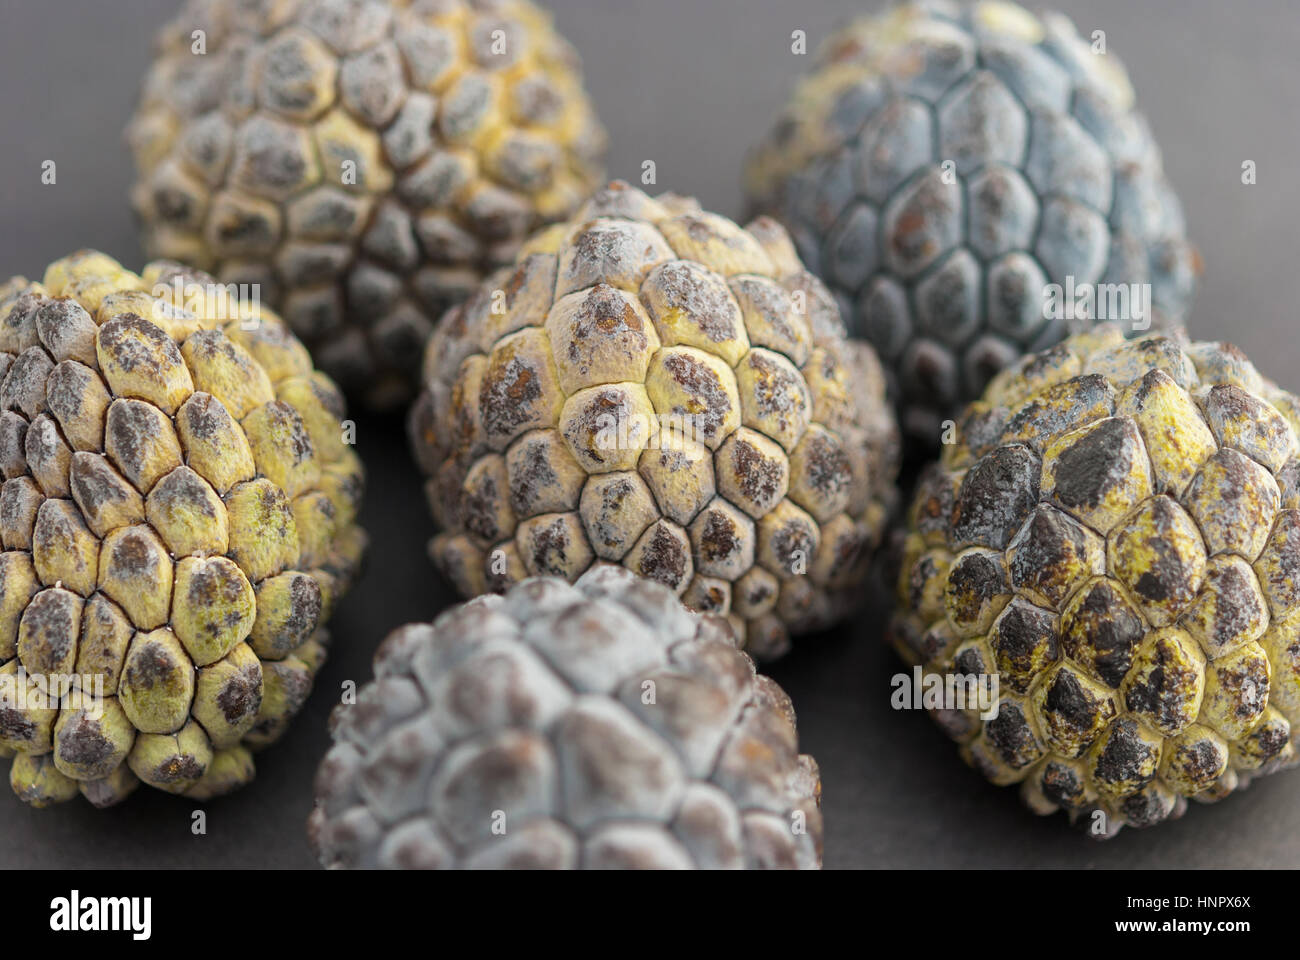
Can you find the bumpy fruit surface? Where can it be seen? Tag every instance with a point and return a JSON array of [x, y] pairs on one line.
[[178, 518], [595, 725], [943, 165], [651, 385], [366, 161], [1115, 537]]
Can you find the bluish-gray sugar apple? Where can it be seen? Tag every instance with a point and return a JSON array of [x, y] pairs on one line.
[[945, 166]]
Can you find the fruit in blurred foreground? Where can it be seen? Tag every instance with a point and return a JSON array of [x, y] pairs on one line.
[[593, 725]]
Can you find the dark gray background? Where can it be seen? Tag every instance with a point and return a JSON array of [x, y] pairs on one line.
[[691, 84]]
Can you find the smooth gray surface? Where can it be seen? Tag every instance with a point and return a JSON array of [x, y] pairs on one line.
[[691, 84]]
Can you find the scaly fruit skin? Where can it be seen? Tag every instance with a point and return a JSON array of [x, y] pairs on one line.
[[593, 725], [942, 165], [367, 162], [652, 385], [178, 519], [1115, 535]]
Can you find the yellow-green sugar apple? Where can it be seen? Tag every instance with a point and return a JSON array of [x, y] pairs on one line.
[[178, 519], [654, 386], [1114, 537], [366, 162]]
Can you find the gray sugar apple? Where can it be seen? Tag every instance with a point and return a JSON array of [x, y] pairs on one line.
[[592, 725]]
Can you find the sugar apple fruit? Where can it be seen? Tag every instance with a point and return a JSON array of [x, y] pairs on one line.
[[592, 725], [178, 518], [365, 161], [943, 166], [1115, 537], [654, 386]]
